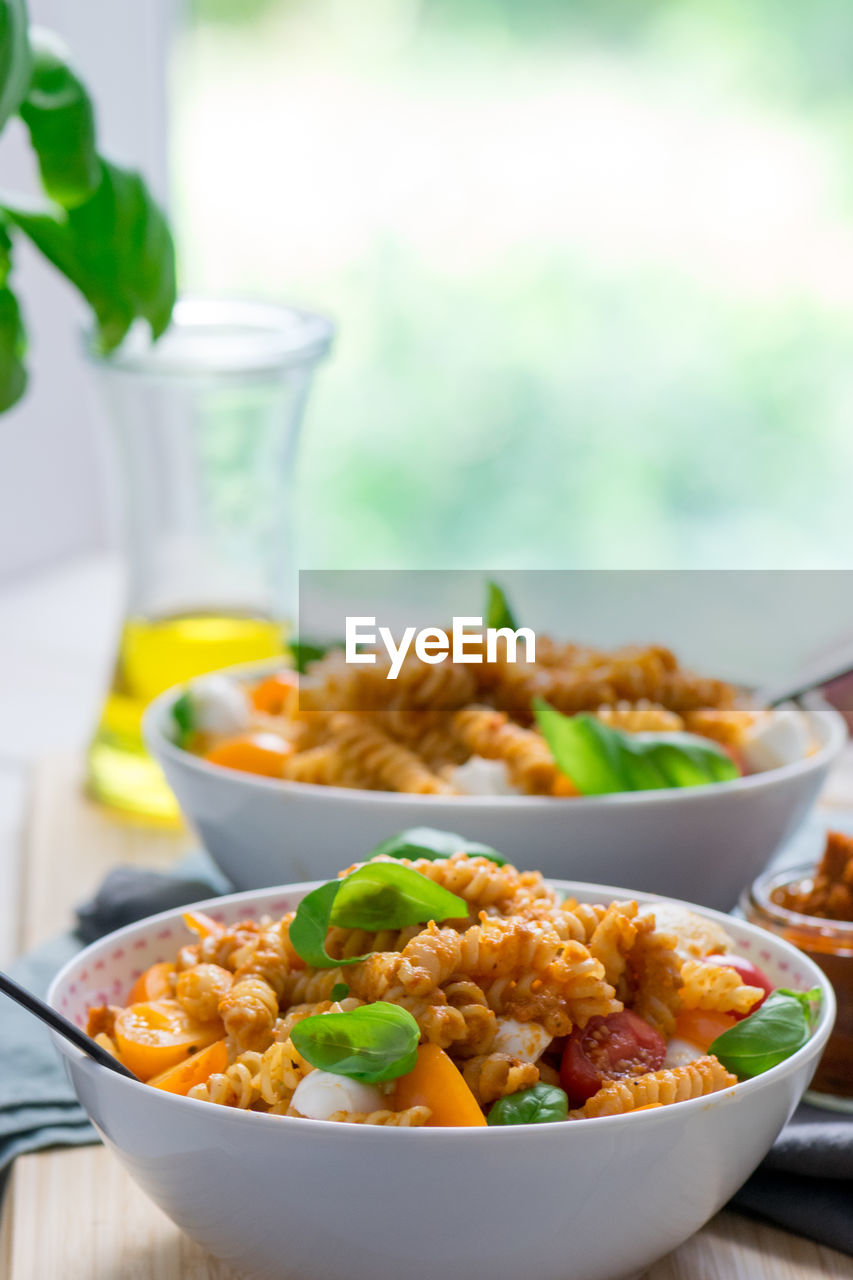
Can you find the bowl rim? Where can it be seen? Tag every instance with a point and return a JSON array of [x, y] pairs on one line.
[[813, 1046], [162, 748]]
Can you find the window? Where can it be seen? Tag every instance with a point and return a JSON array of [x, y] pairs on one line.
[[592, 266]]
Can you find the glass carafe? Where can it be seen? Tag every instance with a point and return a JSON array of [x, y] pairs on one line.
[[205, 424]]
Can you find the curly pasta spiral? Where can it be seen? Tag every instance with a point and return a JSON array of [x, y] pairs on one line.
[[249, 1011], [199, 990], [656, 972], [492, 1075], [715, 987], [235, 1087], [639, 717], [411, 1118], [379, 759], [706, 1075], [490, 733]]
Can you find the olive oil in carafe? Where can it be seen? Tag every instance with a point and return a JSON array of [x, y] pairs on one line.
[[153, 655]]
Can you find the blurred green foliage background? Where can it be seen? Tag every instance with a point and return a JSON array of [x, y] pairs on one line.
[[592, 264]]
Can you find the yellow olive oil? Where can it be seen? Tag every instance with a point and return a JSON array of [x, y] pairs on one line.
[[153, 655]]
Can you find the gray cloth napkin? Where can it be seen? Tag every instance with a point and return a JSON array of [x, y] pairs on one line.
[[38, 1107], [805, 1184]]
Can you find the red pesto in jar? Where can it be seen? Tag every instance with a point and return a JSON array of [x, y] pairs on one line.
[[773, 903]]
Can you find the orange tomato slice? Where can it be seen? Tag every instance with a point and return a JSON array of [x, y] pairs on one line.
[[261, 753], [204, 925], [195, 1070], [702, 1026], [153, 984], [436, 1082], [154, 1035], [271, 694]]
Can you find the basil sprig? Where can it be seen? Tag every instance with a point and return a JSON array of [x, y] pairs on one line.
[[304, 652], [781, 1026], [183, 719], [427, 842], [601, 760], [374, 1043], [379, 895], [498, 612], [540, 1104]]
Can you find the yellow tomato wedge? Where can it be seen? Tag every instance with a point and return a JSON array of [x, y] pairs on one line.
[[702, 1026], [261, 753], [153, 984], [270, 695], [436, 1082], [205, 926], [154, 1035], [195, 1070]]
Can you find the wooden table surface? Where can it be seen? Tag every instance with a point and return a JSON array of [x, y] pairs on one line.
[[75, 1214]]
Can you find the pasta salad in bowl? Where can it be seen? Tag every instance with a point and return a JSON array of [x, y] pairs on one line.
[[618, 767], [279, 1035]]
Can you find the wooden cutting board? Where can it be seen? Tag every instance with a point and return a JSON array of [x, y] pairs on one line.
[[75, 1214]]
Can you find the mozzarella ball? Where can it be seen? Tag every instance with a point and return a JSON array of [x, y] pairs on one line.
[[219, 705], [524, 1040], [481, 777], [321, 1093], [697, 937], [681, 1052], [779, 737]]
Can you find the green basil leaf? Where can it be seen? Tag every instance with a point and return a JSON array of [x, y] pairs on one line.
[[540, 1104], [116, 249], [384, 895], [13, 341], [304, 652], [426, 842], [374, 1043], [584, 749], [781, 1026], [310, 925], [15, 57], [601, 760], [340, 991], [498, 612], [379, 895], [60, 118], [183, 718]]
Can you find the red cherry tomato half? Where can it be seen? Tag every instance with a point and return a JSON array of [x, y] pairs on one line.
[[622, 1044], [751, 974]]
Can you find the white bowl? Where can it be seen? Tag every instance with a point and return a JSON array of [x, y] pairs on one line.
[[702, 843], [292, 1199]]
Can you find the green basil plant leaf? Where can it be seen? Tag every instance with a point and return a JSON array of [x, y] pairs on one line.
[[116, 249], [379, 895], [13, 341], [60, 118], [15, 57], [498, 612], [310, 925], [781, 1026], [340, 991], [601, 760], [384, 895], [426, 842], [540, 1104], [374, 1043], [183, 719]]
